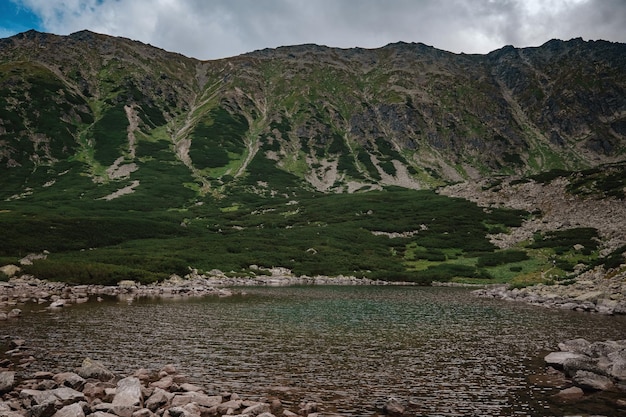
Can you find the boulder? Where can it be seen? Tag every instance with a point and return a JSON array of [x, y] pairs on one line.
[[42, 410], [169, 369], [618, 366], [187, 411], [67, 396], [591, 381], [202, 400], [190, 387], [91, 369], [93, 390], [166, 383], [585, 363], [256, 409], [159, 398], [7, 381], [574, 345], [10, 270], [32, 397], [229, 405], [128, 394], [72, 410], [600, 349], [144, 412], [557, 359], [70, 379]]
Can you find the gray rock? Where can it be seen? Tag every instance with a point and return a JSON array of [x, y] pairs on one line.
[[31, 397], [197, 398], [393, 407], [17, 343], [164, 383], [591, 381], [7, 381], [182, 412], [600, 349], [91, 369], [42, 410], [228, 405], [72, 410], [190, 387], [159, 398], [618, 367], [128, 397], [574, 345], [70, 379], [101, 414], [68, 396], [557, 359], [255, 410], [571, 393], [585, 363], [16, 312], [144, 412]]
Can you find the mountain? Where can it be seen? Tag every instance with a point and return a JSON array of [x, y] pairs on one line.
[[93, 128]]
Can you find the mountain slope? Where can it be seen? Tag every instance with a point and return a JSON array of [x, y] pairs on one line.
[[340, 120], [128, 160]]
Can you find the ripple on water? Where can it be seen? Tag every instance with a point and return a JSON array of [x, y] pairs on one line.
[[351, 348]]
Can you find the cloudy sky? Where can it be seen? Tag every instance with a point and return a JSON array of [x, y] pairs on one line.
[[210, 29]]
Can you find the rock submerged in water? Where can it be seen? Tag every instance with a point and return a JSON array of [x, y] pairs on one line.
[[597, 366]]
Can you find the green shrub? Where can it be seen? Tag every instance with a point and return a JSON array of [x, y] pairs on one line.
[[562, 241], [501, 258], [77, 272]]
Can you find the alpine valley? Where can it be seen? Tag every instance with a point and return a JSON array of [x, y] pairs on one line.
[[120, 160]]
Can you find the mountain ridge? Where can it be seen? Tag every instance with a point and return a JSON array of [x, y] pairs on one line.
[[126, 160], [442, 116]]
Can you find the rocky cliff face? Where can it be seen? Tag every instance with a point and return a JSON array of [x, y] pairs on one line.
[[335, 120]]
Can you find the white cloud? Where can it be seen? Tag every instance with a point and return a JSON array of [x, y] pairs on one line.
[[219, 28]]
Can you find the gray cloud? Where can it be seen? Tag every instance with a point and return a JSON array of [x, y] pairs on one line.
[[220, 28]]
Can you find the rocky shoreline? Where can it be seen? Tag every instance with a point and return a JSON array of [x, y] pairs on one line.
[[595, 291], [21, 289], [94, 391], [588, 367]]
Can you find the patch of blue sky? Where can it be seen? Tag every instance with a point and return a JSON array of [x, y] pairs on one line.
[[15, 18]]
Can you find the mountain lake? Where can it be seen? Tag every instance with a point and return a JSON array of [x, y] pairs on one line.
[[439, 349]]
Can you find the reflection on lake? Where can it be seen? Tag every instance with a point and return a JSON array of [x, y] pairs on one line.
[[351, 348]]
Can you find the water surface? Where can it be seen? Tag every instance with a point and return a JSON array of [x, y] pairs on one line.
[[350, 348]]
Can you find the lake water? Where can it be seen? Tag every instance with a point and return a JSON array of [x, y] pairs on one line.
[[350, 348]]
